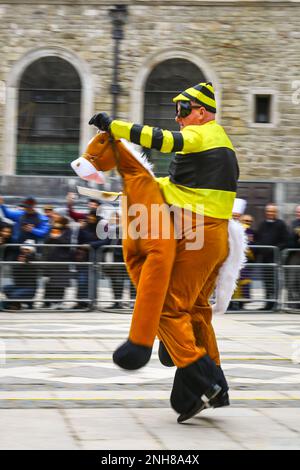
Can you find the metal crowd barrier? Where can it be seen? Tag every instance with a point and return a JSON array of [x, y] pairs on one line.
[[290, 266], [115, 291], [33, 281], [267, 283], [259, 286]]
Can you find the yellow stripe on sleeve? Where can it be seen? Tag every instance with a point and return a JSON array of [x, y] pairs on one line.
[[121, 129], [168, 142], [146, 136]]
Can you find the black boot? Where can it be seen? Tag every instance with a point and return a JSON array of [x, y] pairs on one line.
[[164, 356], [223, 398], [132, 356], [194, 388]]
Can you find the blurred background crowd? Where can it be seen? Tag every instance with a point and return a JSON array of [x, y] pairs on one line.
[[61, 235], [68, 236]]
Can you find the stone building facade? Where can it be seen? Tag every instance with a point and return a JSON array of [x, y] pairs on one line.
[[248, 49]]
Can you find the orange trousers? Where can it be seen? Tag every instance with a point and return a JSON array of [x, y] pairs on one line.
[[185, 324]]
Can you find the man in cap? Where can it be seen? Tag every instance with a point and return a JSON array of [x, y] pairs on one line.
[[203, 177], [28, 221]]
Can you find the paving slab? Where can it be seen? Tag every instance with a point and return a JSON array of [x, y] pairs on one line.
[[34, 429], [60, 390]]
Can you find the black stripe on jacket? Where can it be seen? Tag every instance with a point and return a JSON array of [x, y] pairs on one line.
[[212, 169]]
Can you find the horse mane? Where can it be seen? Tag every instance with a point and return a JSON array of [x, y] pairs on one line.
[[140, 157]]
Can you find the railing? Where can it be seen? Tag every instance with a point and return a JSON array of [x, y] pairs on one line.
[[114, 288], [290, 266], [97, 279], [259, 285], [38, 280]]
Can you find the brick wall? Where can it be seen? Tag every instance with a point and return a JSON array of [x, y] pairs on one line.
[[248, 45]]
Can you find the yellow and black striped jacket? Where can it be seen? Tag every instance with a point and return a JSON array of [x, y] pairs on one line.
[[204, 172]]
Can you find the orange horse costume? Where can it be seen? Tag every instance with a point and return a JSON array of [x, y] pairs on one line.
[[172, 283]]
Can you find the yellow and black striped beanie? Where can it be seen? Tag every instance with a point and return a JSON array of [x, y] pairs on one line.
[[203, 93]]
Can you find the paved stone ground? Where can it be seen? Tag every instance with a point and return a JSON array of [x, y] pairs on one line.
[[60, 390]]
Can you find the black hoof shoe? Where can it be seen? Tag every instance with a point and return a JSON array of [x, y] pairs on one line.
[[132, 356], [221, 400], [205, 401], [164, 356]]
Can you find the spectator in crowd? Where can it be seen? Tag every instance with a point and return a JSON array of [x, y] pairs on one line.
[[272, 231], [49, 212], [88, 231], [28, 222], [25, 277], [238, 209], [93, 204], [58, 275], [55, 216], [248, 221], [5, 234], [116, 273], [88, 238], [7, 253], [293, 274], [243, 289], [295, 229]]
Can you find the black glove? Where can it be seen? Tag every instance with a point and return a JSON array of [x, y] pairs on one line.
[[101, 120]]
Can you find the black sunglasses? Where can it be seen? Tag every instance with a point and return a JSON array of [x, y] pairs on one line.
[[185, 108]]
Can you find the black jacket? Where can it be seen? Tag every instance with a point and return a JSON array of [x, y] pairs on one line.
[[25, 274], [274, 234], [88, 236], [58, 274], [295, 234]]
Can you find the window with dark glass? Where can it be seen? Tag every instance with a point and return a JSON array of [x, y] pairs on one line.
[[262, 109], [166, 81], [48, 118]]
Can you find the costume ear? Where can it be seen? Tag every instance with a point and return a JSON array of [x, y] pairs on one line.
[[132, 356], [96, 144]]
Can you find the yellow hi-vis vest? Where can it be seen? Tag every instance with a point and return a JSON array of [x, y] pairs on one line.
[[204, 172]]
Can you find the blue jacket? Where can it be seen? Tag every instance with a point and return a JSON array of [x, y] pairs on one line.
[[20, 217]]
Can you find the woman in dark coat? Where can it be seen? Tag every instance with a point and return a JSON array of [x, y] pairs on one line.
[[88, 238], [116, 272], [59, 275]]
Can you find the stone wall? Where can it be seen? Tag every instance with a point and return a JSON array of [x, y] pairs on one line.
[[246, 45]]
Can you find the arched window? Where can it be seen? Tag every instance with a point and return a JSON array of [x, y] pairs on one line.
[[48, 117], [164, 82]]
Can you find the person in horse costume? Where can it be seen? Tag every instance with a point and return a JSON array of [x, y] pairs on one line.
[[174, 283]]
